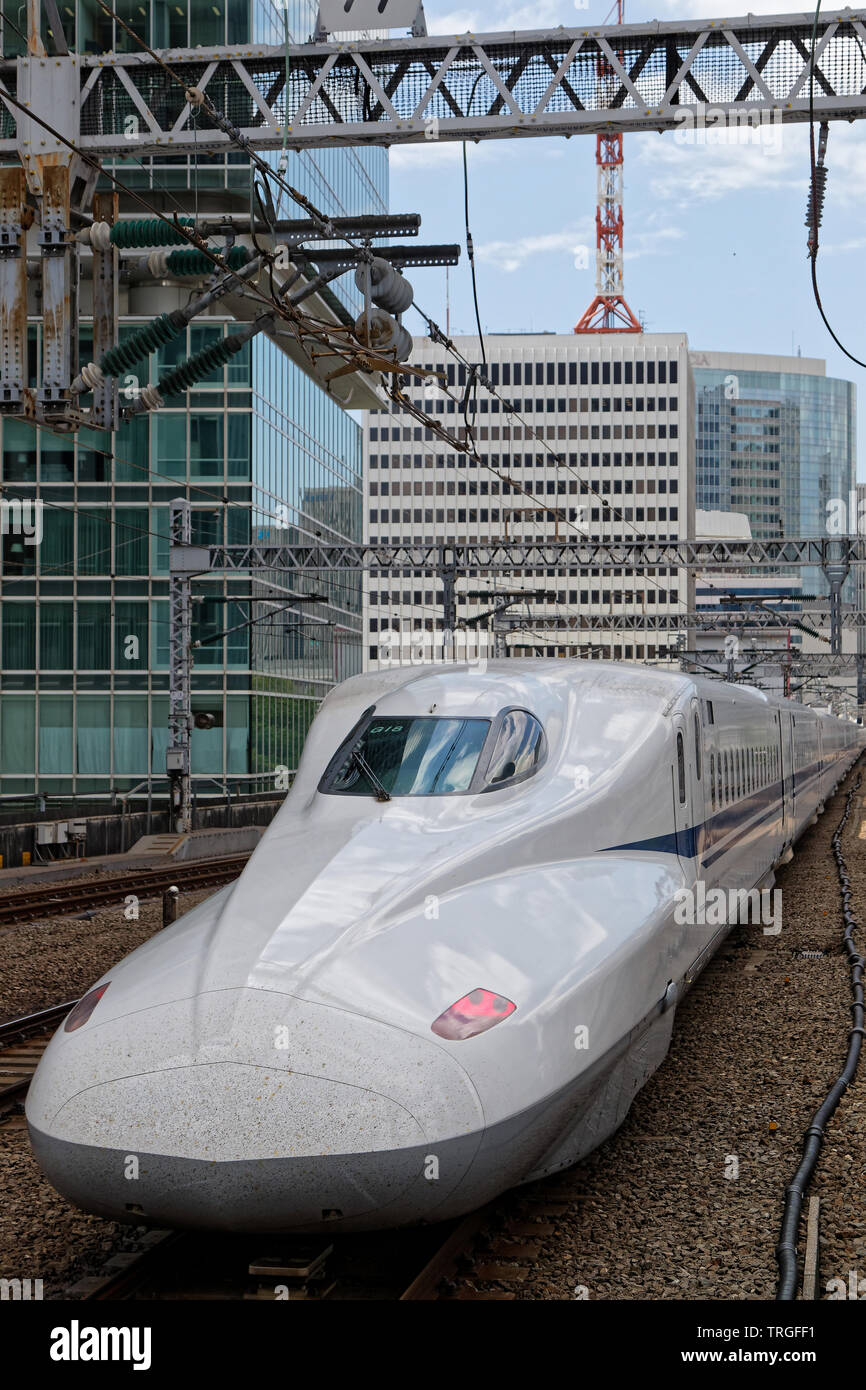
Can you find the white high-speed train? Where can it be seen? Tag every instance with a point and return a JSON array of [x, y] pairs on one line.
[[453, 959]]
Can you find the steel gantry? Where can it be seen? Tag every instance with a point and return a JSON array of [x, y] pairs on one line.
[[717, 620], [449, 562], [507, 556], [663, 76]]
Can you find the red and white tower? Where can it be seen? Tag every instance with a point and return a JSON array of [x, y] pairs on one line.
[[609, 312]]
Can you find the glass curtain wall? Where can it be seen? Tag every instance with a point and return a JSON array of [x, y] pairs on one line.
[[261, 452], [777, 446]]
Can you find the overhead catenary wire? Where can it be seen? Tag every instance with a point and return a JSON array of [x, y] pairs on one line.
[[816, 197], [282, 306], [325, 224]]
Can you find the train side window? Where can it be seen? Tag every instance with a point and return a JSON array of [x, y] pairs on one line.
[[520, 749], [719, 782], [713, 780], [710, 715], [727, 759], [681, 769], [697, 747]]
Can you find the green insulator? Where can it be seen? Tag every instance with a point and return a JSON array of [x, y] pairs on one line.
[[148, 339], [148, 231], [197, 263], [201, 364]]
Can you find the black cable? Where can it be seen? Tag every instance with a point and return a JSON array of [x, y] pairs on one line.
[[813, 250], [786, 1250], [470, 251]]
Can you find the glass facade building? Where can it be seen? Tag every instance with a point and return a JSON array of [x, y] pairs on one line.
[[775, 439], [262, 453]]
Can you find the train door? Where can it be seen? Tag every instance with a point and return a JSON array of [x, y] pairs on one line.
[[792, 774], [786, 773], [698, 772], [687, 818]]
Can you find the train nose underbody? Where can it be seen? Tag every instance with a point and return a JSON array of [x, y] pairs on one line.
[[249, 1110]]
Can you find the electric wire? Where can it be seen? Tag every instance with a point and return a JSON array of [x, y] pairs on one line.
[[813, 257], [786, 1250]]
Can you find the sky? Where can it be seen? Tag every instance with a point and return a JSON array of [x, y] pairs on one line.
[[715, 241]]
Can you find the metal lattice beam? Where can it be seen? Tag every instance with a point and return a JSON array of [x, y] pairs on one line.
[[507, 556], [815, 663], [674, 622], [395, 91]]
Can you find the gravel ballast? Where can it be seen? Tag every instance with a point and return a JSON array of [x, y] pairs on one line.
[[685, 1201]]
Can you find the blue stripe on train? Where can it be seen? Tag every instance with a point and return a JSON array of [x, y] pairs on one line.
[[695, 840]]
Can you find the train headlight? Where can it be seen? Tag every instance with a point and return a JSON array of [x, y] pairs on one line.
[[474, 1013], [84, 1008]]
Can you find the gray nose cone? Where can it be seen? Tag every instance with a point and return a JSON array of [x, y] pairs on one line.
[[187, 1114]]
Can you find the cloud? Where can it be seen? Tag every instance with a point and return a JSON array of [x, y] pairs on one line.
[[713, 9], [721, 163], [840, 248], [509, 256], [428, 156], [486, 19], [650, 241]]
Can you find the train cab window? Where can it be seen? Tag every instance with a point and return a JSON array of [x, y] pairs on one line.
[[520, 749], [406, 755], [697, 747], [681, 769]]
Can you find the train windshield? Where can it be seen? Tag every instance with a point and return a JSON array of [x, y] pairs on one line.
[[408, 756]]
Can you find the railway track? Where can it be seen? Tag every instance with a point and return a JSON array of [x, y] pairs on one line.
[[411, 1266], [58, 900], [22, 1043], [484, 1256]]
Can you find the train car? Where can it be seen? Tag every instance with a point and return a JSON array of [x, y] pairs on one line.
[[452, 961]]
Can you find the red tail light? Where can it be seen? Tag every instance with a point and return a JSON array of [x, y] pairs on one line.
[[474, 1013], [84, 1008]]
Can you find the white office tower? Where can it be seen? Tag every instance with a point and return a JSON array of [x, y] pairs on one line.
[[582, 437]]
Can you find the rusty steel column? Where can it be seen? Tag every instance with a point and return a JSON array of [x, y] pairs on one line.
[[105, 264], [15, 217], [59, 295]]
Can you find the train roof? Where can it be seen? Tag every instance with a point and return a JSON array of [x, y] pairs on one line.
[[487, 686]]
